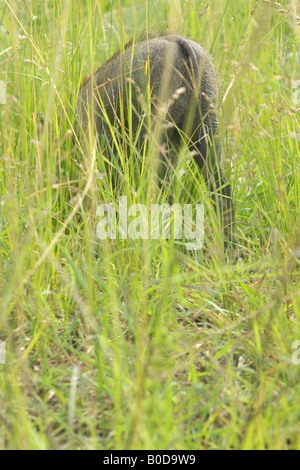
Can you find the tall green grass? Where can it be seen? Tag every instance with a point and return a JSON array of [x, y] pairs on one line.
[[140, 344]]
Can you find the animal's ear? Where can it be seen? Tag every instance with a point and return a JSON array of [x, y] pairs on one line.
[[39, 119]]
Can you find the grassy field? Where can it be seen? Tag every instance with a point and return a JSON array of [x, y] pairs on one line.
[[141, 344]]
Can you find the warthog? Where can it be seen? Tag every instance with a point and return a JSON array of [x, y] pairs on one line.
[[179, 81]]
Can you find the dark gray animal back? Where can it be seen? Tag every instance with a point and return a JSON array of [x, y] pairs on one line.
[[171, 63]]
